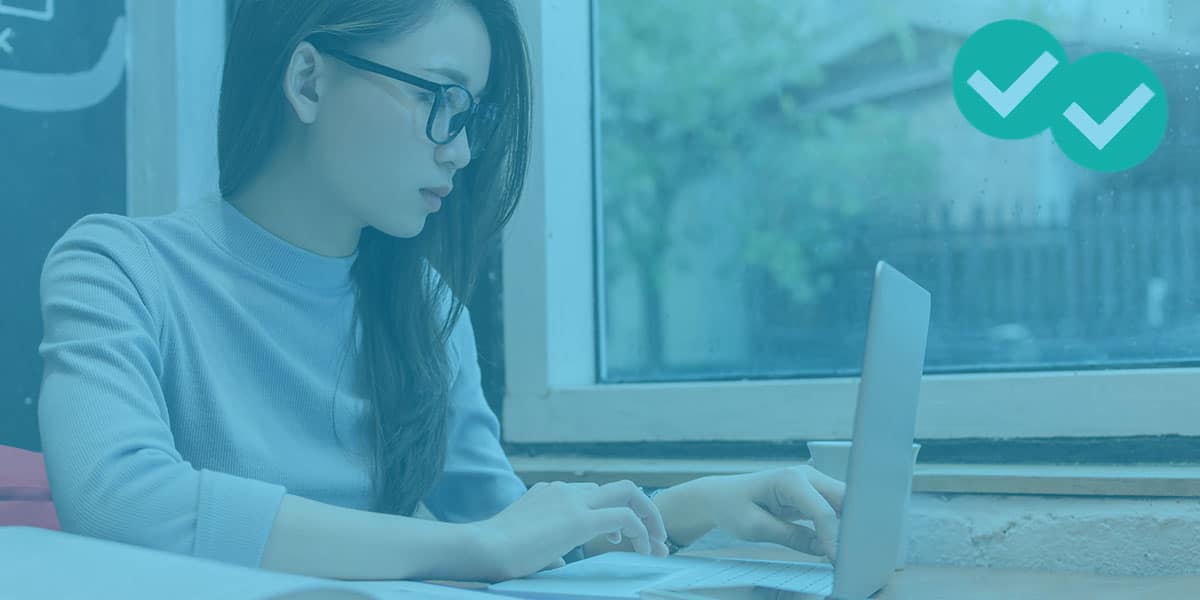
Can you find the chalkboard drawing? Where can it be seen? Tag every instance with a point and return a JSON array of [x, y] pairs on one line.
[[42, 10], [65, 92]]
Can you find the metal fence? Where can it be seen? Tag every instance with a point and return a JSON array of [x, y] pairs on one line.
[[1114, 280]]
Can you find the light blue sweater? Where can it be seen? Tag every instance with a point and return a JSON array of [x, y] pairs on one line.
[[196, 368]]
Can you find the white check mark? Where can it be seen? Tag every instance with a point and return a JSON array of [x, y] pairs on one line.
[[1008, 100], [1100, 134]]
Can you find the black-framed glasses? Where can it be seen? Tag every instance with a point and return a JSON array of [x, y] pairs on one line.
[[454, 108]]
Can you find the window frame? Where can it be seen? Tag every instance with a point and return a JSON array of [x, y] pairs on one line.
[[553, 346], [176, 52]]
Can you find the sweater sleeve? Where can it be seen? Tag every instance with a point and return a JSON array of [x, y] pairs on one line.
[[478, 480], [106, 432]]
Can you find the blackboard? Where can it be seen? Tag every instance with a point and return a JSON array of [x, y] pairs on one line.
[[62, 156]]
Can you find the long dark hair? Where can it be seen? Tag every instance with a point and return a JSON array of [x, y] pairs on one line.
[[405, 313]]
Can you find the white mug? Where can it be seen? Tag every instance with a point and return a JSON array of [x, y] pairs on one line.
[[833, 459]]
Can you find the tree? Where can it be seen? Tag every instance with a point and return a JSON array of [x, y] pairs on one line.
[[688, 89]]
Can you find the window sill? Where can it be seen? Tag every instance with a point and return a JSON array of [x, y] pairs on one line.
[[1146, 480]]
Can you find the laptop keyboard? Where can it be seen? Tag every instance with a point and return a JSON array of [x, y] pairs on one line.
[[815, 579]]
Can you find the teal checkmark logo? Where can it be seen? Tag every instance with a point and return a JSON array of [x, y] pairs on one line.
[[1003, 80], [1012, 80], [1116, 114]]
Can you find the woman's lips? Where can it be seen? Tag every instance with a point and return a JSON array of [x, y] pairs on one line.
[[432, 200]]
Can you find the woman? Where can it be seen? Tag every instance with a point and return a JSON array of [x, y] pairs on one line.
[[280, 377]]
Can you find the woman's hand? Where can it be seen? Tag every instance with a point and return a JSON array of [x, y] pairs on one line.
[[553, 518], [760, 507]]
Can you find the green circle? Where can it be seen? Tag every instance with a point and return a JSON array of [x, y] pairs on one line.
[[1099, 84], [1001, 52]]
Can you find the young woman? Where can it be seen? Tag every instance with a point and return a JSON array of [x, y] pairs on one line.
[[282, 376]]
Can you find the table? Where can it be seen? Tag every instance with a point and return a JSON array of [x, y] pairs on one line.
[[977, 583], [39, 563], [934, 583]]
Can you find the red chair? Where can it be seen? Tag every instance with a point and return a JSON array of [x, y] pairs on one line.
[[24, 490]]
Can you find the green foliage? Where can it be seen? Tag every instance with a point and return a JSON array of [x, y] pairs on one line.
[[678, 81], [828, 177], [716, 89]]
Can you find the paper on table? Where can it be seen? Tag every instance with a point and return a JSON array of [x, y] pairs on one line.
[[413, 589], [614, 575], [781, 576], [622, 575]]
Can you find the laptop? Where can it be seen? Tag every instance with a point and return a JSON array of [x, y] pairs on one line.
[[877, 478]]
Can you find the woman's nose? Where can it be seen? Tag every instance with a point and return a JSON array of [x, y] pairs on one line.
[[457, 152]]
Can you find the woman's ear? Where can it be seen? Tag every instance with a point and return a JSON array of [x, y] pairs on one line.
[[304, 80]]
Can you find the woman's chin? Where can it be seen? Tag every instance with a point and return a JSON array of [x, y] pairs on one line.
[[403, 228]]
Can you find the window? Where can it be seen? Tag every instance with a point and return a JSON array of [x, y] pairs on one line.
[[713, 182], [825, 136]]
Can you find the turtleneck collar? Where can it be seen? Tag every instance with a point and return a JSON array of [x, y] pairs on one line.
[[249, 241]]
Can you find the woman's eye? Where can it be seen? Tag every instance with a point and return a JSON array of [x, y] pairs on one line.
[[425, 97]]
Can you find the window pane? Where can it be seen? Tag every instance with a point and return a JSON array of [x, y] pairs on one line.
[[757, 157]]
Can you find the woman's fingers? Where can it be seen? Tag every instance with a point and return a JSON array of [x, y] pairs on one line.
[[619, 500], [798, 493], [624, 521], [762, 526], [833, 490], [626, 494]]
